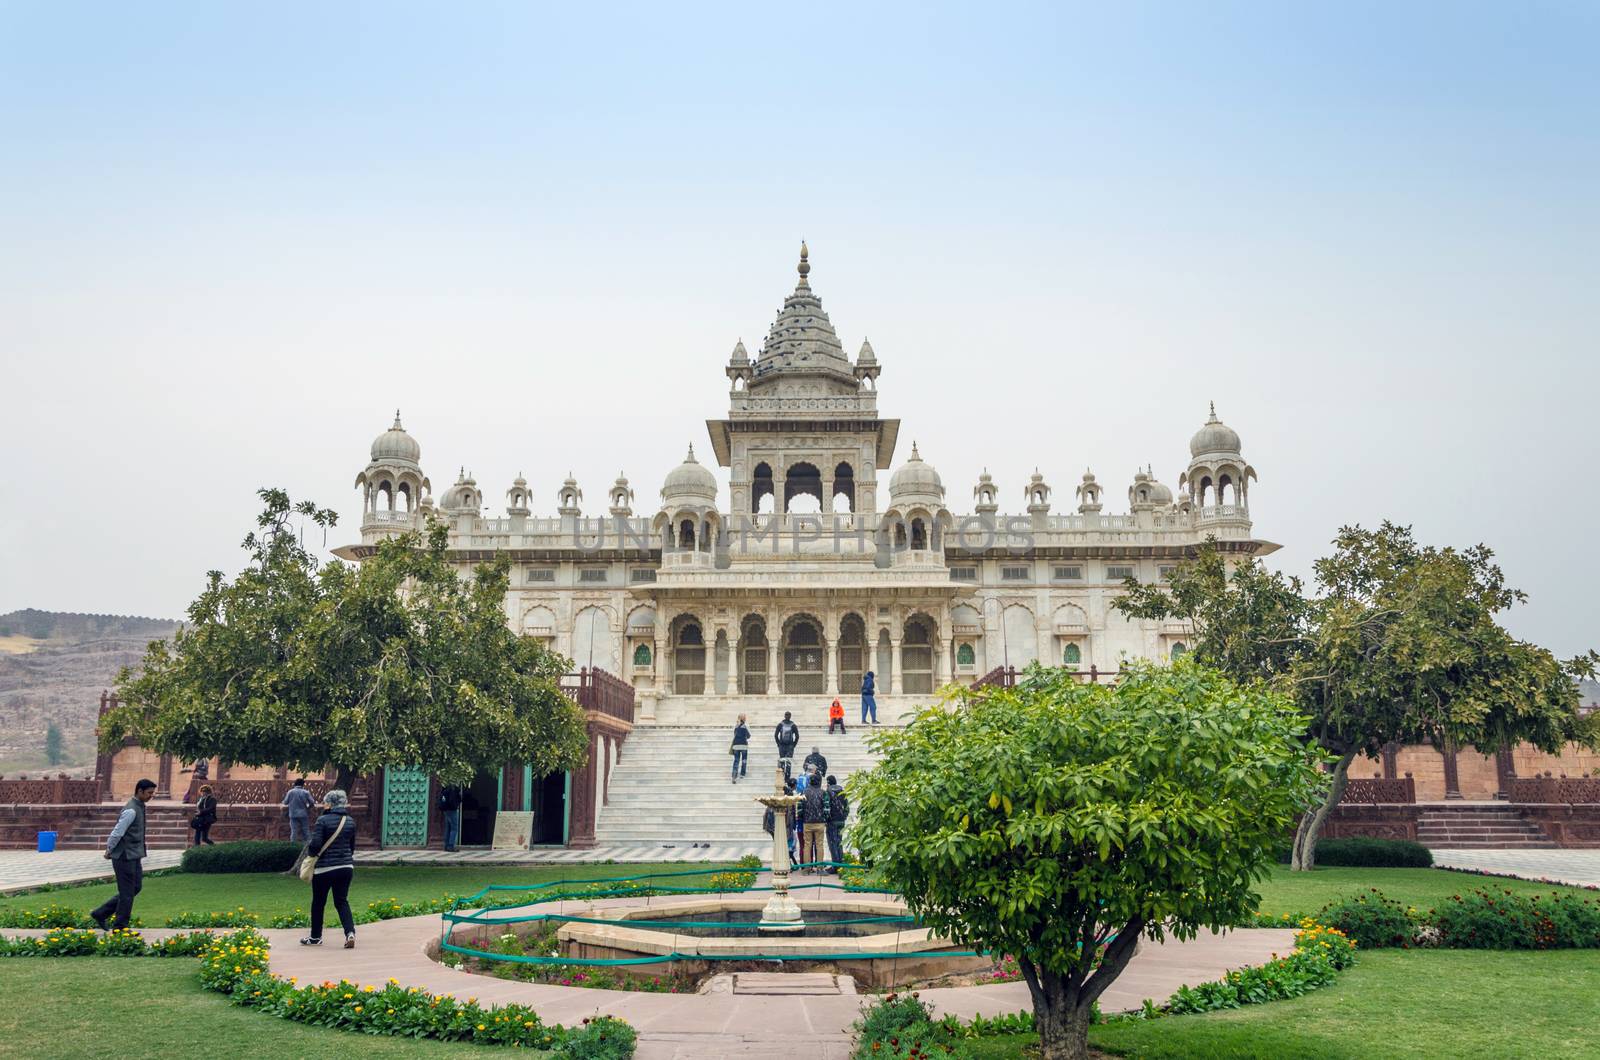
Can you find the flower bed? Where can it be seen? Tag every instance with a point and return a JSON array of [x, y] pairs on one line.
[[51, 916], [1480, 919], [236, 965], [87, 942]]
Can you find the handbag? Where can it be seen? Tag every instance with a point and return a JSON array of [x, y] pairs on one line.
[[309, 866]]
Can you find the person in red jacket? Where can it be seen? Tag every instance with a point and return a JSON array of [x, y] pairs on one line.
[[836, 715]]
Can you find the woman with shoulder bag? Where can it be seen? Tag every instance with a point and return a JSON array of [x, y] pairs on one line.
[[330, 865], [205, 815]]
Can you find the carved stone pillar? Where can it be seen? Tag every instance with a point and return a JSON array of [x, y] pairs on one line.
[[164, 778], [774, 659], [896, 670], [827, 495], [1505, 770], [735, 663], [1391, 766]]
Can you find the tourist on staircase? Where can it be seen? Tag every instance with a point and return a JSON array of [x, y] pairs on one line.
[[838, 813], [740, 750], [814, 813], [332, 849], [787, 734], [815, 764], [836, 716], [869, 703], [205, 815]]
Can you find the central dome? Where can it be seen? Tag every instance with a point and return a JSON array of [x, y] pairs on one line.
[[396, 444], [802, 340]]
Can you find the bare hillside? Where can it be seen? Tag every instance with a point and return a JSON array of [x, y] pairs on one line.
[[53, 667]]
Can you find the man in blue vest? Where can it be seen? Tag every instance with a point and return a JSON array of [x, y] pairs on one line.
[[125, 850]]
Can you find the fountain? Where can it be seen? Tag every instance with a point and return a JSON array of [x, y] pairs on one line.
[[781, 916]]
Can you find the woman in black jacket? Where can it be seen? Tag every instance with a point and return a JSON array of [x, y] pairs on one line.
[[740, 749], [333, 844], [205, 815]]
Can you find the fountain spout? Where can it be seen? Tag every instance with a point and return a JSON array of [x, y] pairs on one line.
[[782, 914]]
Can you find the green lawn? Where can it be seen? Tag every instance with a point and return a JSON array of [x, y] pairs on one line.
[[1425, 1003], [1307, 892], [269, 894], [108, 1008]]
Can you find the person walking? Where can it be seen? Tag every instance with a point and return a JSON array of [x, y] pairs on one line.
[[205, 815], [125, 851], [740, 749], [814, 814], [787, 735], [297, 803], [450, 810], [869, 702], [815, 765], [333, 844], [836, 716], [838, 813]]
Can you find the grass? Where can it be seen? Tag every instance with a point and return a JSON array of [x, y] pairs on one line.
[[269, 894], [108, 1008], [1308, 892], [1423, 1003]]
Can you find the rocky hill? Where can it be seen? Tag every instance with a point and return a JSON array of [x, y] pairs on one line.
[[53, 667]]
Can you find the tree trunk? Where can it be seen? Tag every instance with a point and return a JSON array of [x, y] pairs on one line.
[[1063, 1005], [345, 779], [1304, 857]]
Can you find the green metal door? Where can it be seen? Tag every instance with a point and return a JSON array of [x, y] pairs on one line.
[[405, 807]]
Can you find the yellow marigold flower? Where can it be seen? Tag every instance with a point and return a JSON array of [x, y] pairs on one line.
[[358, 1008], [480, 1026]]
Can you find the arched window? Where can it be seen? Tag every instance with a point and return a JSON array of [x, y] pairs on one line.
[[802, 480], [802, 657], [641, 655], [919, 534], [844, 488], [686, 534], [689, 661], [965, 656], [761, 488], [852, 654], [1179, 650], [1071, 655], [916, 656], [753, 650]]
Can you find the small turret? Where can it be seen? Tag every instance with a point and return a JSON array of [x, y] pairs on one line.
[[621, 497], [1088, 494]]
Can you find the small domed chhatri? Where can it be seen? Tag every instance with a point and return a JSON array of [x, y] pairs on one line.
[[806, 547]]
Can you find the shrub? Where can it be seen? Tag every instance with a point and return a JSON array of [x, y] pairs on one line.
[[1372, 920], [1503, 920], [740, 879], [51, 916], [901, 1025], [246, 855], [1367, 852], [226, 918]]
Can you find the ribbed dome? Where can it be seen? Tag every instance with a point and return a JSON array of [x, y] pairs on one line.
[[916, 477], [690, 481], [1214, 437], [396, 444]]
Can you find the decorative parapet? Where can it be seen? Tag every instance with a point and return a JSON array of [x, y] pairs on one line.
[[1571, 791], [1380, 791]]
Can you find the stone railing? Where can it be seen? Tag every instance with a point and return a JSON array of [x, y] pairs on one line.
[[1380, 791], [1549, 789], [271, 792], [1006, 676], [58, 792]]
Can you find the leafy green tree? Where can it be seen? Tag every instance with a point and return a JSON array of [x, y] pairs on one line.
[[396, 661], [1400, 645], [1057, 822], [54, 752]]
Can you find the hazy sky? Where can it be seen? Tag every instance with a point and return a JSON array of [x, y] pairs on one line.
[[233, 238]]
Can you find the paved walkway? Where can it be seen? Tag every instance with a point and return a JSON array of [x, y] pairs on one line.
[[1580, 867], [22, 870]]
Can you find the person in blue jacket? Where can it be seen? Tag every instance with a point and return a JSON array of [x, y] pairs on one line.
[[869, 704]]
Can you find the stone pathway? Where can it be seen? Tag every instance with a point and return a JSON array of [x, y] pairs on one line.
[[21, 870], [1580, 867]]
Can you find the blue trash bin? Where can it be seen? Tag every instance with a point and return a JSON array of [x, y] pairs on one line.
[[47, 842]]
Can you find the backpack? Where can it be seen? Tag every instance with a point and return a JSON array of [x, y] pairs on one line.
[[839, 807]]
